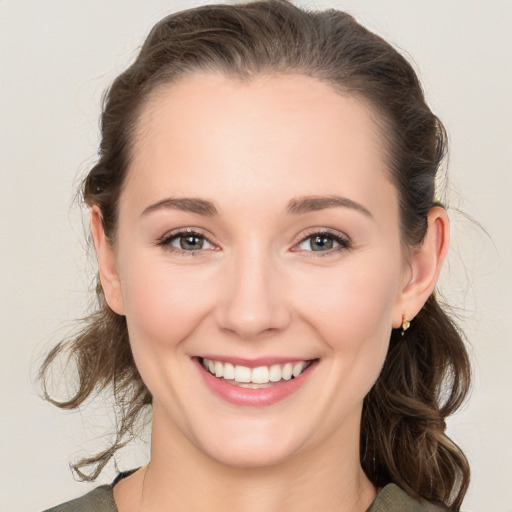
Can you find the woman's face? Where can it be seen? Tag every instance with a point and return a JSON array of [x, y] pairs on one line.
[[258, 235]]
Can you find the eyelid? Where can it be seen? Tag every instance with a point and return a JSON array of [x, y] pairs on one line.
[[165, 240], [345, 243]]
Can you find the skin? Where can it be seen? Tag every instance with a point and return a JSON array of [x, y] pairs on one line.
[[257, 289]]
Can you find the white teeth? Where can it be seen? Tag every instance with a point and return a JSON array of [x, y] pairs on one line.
[[229, 371], [260, 375], [298, 368], [286, 372], [219, 369], [275, 373], [242, 374]]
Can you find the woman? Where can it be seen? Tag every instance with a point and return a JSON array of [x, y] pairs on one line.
[[268, 240]]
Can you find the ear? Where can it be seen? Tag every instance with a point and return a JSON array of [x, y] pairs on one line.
[[107, 264], [425, 265]]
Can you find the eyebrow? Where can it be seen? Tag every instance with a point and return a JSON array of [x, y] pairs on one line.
[[296, 206], [186, 204], [307, 204]]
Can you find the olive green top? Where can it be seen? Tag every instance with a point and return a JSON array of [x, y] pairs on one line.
[[390, 499]]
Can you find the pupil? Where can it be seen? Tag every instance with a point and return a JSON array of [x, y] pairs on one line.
[[322, 243], [191, 242]]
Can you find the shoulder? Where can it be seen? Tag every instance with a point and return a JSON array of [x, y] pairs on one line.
[[100, 499], [393, 499]]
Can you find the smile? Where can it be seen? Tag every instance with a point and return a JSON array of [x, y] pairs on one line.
[[254, 384], [255, 378]]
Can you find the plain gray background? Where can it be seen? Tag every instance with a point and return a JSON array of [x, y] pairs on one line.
[[56, 59]]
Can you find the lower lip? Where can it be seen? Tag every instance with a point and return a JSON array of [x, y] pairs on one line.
[[254, 397]]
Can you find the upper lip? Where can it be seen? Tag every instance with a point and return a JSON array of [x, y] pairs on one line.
[[254, 362]]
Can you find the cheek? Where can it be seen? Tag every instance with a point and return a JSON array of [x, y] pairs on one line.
[[352, 308], [163, 304]]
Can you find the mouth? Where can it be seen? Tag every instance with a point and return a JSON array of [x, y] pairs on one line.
[[258, 377], [254, 384]]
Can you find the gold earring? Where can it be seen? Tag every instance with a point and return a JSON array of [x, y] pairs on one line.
[[405, 325]]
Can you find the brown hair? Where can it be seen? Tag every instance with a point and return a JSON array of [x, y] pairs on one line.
[[426, 374]]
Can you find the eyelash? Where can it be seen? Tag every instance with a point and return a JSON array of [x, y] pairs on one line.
[[166, 240], [343, 242]]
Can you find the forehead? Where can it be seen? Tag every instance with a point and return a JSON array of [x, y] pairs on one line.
[[279, 133]]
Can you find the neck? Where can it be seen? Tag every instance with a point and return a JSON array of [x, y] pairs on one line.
[[181, 478]]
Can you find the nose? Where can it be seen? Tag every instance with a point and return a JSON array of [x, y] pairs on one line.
[[254, 300]]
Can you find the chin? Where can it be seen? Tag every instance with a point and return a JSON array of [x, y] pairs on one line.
[[249, 457], [253, 450]]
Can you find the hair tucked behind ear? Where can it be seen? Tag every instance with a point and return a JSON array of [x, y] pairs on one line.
[[101, 351], [424, 379], [426, 374]]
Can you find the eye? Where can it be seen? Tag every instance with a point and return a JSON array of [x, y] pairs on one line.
[[185, 241], [324, 242]]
